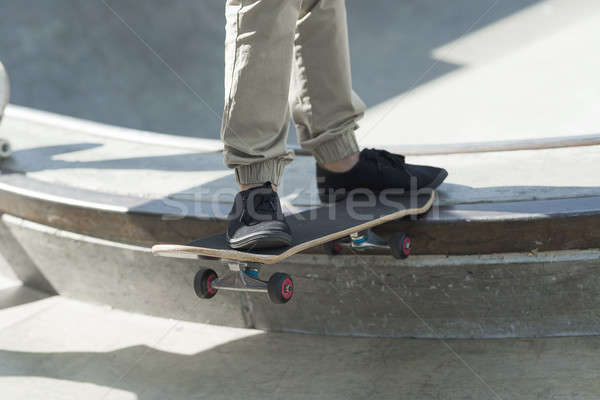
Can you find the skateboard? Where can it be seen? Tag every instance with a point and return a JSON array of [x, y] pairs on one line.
[[346, 223], [5, 149]]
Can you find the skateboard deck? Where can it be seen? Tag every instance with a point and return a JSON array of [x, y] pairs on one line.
[[311, 228]]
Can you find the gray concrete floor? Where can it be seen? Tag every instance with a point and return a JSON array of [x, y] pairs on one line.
[[430, 71], [56, 348], [531, 74]]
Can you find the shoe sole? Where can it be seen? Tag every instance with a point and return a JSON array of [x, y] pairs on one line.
[[261, 240], [433, 185]]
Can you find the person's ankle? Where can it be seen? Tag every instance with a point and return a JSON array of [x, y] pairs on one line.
[[254, 185], [343, 165]]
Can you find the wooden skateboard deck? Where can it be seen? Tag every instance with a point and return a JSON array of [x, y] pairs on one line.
[[311, 228]]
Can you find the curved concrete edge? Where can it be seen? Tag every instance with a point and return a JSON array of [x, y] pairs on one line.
[[493, 146], [545, 225], [124, 219], [488, 296], [112, 131]]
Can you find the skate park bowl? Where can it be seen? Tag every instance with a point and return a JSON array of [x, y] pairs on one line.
[[81, 211], [511, 248]]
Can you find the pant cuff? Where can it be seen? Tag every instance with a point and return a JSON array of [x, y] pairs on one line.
[[336, 149], [269, 170]]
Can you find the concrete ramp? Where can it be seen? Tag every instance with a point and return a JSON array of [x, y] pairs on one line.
[[501, 94], [61, 348], [495, 258]]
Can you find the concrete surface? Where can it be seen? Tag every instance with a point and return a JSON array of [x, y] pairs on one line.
[[529, 75], [480, 70], [56, 348], [491, 296], [128, 277], [55, 154]]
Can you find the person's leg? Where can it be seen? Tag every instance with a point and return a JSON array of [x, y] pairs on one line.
[[325, 111], [324, 106], [258, 62]]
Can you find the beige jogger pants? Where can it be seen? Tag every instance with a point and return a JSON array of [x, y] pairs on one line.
[[278, 51]]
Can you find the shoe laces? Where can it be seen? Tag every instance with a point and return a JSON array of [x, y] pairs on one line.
[[263, 205], [383, 158]]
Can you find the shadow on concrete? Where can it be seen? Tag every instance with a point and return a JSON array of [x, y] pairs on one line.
[[18, 295], [55, 60], [22, 265], [44, 158], [298, 183], [260, 367], [212, 197], [308, 367]]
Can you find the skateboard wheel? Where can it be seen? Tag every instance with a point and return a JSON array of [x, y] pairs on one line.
[[400, 245], [280, 287], [202, 283], [333, 248]]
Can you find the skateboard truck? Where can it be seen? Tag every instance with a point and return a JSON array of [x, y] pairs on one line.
[[243, 277], [399, 243]]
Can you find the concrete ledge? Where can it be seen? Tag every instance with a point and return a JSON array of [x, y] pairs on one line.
[[100, 271], [543, 225], [56, 152], [493, 296], [125, 219], [502, 295], [81, 211]]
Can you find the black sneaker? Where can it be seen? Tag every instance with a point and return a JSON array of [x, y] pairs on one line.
[[256, 220], [378, 170]]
